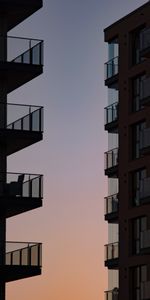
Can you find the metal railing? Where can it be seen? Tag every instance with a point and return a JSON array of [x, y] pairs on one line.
[[145, 138], [111, 204], [145, 188], [23, 50], [111, 251], [145, 89], [21, 117], [111, 67], [111, 113], [111, 158], [23, 254], [112, 295], [21, 185], [145, 39]]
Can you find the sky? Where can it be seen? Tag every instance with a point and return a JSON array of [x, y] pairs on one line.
[[71, 156]]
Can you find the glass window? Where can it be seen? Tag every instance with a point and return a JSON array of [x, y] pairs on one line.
[[136, 45], [137, 178], [139, 225], [136, 138], [140, 283], [137, 92]]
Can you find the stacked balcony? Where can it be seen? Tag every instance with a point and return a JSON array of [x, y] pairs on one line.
[[111, 163], [23, 63], [112, 255], [22, 260], [111, 118], [111, 71], [24, 126], [111, 204], [112, 295], [145, 43]]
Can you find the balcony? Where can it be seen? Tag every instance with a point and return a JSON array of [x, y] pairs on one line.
[[20, 193], [111, 118], [145, 92], [111, 205], [112, 255], [112, 295], [111, 71], [22, 260], [21, 127], [145, 43], [145, 190], [23, 63], [145, 141], [111, 163], [18, 10]]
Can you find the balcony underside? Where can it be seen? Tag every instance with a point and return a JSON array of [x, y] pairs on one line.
[[17, 74], [12, 273], [112, 172], [112, 263], [112, 127], [17, 11], [12, 206], [16, 140], [109, 81], [112, 217]]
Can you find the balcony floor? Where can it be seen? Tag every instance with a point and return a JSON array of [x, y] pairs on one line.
[[17, 74], [12, 273], [16, 140], [18, 11]]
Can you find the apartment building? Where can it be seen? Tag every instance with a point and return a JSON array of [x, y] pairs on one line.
[[21, 125], [127, 160]]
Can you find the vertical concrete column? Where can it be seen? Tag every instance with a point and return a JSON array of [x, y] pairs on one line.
[[3, 157]]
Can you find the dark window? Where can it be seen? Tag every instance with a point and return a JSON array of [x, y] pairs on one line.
[[137, 131], [137, 92], [140, 283], [137, 178], [136, 46], [139, 226]]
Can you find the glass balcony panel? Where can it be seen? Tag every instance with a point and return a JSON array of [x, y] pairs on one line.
[[36, 54], [111, 204], [34, 255], [35, 187], [36, 120], [16, 255], [112, 251], [24, 256], [111, 68], [26, 189], [17, 125], [112, 295], [8, 259], [111, 113], [111, 158], [26, 57]]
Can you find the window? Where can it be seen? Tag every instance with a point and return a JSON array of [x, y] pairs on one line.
[[139, 226], [137, 92], [137, 131], [136, 46], [137, 178], [140, 283]]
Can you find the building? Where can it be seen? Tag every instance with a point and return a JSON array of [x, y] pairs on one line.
[[127, 161], [21, 60]]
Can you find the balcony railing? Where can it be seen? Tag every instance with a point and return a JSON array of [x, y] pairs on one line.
[[111, 204], [145, 290], [111, 158], [145, 138], [145, 39], [23, 50], [111, 251], [145, 188], [21, 185], [21, 117], [23, 254], [112, 295], [111, 68], [111, 113]]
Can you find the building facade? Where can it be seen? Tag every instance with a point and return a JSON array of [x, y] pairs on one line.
[[21, 125], [127, 161]]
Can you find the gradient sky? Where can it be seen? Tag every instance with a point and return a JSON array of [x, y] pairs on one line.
[[71, 223]]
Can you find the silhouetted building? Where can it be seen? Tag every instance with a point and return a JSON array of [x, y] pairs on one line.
[[21, 60], [127, 161]]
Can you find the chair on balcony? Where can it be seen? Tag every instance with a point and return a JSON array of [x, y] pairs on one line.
[[15, 187]]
